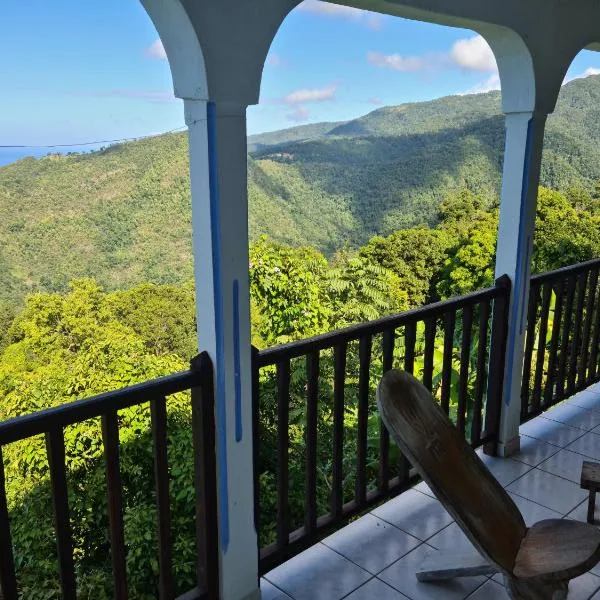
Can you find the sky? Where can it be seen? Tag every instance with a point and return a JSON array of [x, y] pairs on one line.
[[78, 71]]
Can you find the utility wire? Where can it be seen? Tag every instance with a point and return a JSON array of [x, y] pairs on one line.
[[121, 140]]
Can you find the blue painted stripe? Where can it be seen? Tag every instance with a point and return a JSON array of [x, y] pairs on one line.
[[219, 324], [239, 432], [517, 325]]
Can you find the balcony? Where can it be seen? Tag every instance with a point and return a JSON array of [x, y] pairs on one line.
[[377, 554]]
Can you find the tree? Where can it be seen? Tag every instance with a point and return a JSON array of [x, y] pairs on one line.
[[470, 263], [359, 290], [65, 348], [285, 285], [563, 234], [415, 256]]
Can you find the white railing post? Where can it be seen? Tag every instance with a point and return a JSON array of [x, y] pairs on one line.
[[520, 180], [218, 172]]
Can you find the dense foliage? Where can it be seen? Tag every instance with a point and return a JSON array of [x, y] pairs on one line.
[[422, 177]]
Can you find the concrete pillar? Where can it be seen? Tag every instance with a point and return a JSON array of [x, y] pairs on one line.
[[218, 168], [520, 180]]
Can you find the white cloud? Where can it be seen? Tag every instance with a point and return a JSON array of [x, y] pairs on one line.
[[157, 50], [473, 54], [589, 72], [371, 20], [397, 62], [275, 60], [375, 100], [299, 115], [469, 54], [490, 84], [311, 95]]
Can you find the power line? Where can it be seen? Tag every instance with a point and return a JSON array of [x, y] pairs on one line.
[[118, 141]]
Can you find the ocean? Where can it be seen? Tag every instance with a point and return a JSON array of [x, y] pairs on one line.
[[10, 155]]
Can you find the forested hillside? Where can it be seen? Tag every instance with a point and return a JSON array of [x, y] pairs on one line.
[[122, 215]]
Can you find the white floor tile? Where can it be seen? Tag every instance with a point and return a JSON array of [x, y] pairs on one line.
[[548, 490], [550, 432], [565, 464], [375, 589], [489, 591], [318, 573], [588, 445], [534, 451], [371, 543], [574, 416], [417, 514], [401, 576], [532, 512], [269, 592]]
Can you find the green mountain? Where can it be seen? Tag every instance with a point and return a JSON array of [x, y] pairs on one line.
[[122, 214]]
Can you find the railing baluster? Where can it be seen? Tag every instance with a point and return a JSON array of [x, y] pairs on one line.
[[312, 407], [158, 417], [364, 371], [463, 378], [534, 295], [389, 338], [449, 323], [566, 332], [575, 354], [110, 439], [593, 358], [8, 581], [339, 383], [589, 311], [410, 339], [283, 444], [554, 340], [430, 327], [55, 447], [480, 375], [536, 395], [205, 477], [496, 363]]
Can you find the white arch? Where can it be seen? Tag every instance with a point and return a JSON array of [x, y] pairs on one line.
[[182, 48]]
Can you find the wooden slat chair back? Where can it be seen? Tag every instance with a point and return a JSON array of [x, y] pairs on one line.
[[456, 475]]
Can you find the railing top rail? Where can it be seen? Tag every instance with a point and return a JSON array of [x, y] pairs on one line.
[[271, 356], [566, 271], [40, 422]]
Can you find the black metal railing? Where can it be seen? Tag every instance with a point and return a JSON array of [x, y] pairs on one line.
[[562, 340], [52, 424], [322, 454]]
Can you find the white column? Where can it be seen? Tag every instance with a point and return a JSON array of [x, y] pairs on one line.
[[218, 171], [520, 180]]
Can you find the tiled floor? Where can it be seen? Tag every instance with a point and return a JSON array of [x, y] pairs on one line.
[[375, 557]]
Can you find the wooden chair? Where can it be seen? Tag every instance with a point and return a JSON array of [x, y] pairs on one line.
[[537, 562]]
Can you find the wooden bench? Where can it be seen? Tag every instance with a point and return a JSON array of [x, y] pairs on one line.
[[536, 562]]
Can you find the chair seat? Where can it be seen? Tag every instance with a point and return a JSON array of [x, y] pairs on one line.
[[558, 550]]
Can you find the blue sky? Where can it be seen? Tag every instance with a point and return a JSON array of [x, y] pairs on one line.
[[74, 71]]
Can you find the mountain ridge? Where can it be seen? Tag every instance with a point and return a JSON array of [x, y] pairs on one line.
[[328, 185]]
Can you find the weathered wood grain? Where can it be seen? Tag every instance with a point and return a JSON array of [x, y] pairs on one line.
[[462, 483]]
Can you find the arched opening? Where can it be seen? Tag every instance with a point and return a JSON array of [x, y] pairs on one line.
[[97, 282], [389, 181]]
